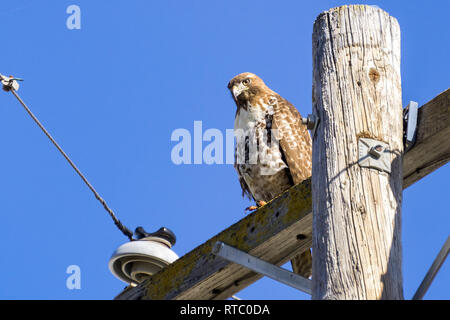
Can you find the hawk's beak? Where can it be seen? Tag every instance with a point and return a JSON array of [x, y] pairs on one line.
[[237, 90]]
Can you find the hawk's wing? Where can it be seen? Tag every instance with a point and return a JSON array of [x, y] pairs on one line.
[[294, 139], [295, 145]]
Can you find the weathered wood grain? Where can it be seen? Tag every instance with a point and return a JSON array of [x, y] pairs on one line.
[[356, 210]]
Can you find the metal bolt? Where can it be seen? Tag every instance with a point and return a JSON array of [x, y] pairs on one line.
[[309, 121], [376, 151]]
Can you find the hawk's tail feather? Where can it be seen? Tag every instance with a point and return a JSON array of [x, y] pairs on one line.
[[302, 264]]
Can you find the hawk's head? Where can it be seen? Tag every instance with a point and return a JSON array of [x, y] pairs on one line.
[[246, 86]]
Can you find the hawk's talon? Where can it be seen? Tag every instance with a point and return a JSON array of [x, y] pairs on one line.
[[259, 204]]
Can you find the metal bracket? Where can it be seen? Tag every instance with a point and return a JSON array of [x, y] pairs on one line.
[[410, 124], [9, 83], [374, 154], [260, 266]]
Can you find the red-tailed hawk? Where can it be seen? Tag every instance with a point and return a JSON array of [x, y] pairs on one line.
[[273, 147]]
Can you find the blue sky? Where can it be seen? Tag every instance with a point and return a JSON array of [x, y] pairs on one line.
[[113, 92]]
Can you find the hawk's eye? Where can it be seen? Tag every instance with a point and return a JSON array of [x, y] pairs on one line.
[[246, 81]]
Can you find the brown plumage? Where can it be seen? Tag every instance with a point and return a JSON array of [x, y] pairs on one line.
[[273, 148]]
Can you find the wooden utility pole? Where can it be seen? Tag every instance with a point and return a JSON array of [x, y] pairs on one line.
[[356, 210]]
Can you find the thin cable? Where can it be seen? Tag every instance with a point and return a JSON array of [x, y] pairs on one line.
[[117, 222]]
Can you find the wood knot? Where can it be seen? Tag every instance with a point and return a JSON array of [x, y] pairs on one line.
[[301, 237], [374, 75]]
